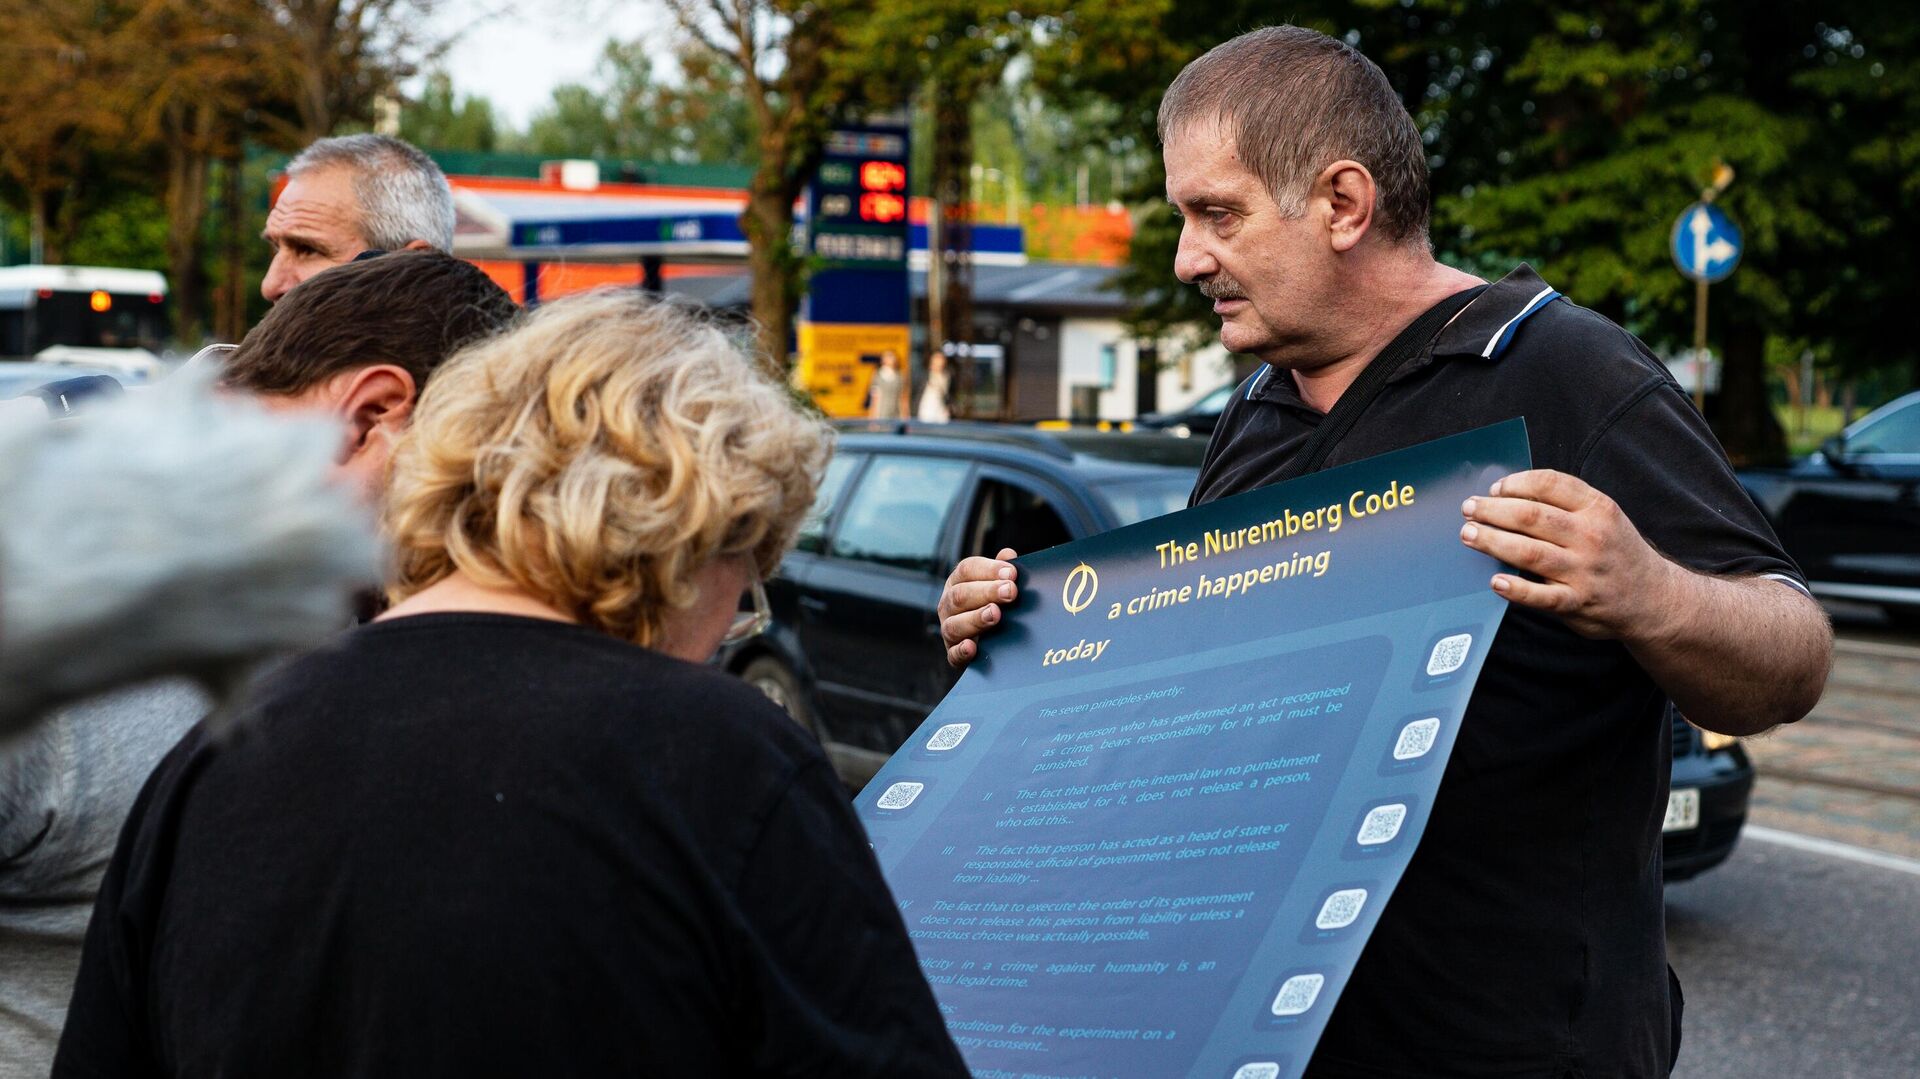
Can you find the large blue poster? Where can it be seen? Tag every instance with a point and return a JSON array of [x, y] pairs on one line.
[[1149, 831]]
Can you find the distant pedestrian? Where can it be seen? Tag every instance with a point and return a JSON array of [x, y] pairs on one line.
[[933, 397], [349, 195], [519, 826], [885, 391]]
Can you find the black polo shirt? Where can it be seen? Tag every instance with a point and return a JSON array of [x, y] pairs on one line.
[[1527, 937]]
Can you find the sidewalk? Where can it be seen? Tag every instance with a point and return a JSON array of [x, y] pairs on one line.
[[1850, 772]]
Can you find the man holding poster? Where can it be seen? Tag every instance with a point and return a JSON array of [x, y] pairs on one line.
[[1526, 935]]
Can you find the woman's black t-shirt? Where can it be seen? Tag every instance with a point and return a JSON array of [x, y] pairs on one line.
[[485, 845]]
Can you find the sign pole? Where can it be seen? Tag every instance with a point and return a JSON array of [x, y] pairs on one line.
[[1700, 346], [1706, 247]]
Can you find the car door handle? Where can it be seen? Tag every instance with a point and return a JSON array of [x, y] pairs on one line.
[[812, 604]]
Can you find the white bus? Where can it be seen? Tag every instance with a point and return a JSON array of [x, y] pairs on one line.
[[90, 316]]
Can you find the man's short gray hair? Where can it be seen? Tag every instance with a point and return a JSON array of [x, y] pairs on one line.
[[403, 195], [1295, 101]]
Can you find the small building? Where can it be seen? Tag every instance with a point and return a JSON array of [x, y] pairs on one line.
[[1051, 342]]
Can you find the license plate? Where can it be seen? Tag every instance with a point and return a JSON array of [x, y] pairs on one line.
[[1683, 810]]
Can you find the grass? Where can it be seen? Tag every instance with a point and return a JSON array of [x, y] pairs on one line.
[[1822, 423]]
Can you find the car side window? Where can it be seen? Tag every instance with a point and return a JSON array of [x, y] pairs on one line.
[[1213, 404], [1006, 515], [812, 536], [895, 514], [1896, 432]]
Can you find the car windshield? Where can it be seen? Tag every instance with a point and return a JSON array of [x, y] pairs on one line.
[[1135, 500], [1895, 431]]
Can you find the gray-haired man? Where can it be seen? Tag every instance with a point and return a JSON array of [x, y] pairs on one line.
[[352, 194]]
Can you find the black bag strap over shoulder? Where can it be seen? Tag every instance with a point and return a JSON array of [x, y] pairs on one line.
[[1346, 411]]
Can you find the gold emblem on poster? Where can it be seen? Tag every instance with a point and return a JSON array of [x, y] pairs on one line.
[[1082, 585]]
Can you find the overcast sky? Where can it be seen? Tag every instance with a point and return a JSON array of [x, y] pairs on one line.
[[516, 53]]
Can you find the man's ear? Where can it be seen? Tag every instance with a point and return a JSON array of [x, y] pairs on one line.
[[376, 405], [1350, 192], [416, 245]]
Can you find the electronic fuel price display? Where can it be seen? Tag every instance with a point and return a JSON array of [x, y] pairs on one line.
[[859, 201], [857, 306]]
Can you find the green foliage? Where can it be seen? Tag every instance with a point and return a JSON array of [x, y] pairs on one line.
[[129, 229], [628, 111], [1568, 137], [1572, 138], [446, 121]]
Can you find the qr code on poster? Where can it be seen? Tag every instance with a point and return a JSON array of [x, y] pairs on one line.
[[1416, 739], [1449, 655], [1341, 908], [1382, 824], [900, 795], [948, 736], [1298, 994]]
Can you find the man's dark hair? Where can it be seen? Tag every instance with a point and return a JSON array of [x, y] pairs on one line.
[[1295, 101], [412, 309]]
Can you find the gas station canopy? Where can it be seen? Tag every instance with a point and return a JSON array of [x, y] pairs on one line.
[[522, 221]]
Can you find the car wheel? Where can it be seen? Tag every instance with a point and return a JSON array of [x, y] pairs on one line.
[[772, 678]]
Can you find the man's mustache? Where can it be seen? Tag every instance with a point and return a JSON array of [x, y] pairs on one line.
[[1220, 287]]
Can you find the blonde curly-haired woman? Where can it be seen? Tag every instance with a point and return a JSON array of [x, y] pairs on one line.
[[516, 827]]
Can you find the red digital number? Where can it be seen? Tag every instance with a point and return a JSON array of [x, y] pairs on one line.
[[883, 176], [882, 208]]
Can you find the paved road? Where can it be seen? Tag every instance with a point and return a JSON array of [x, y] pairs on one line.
[[1798, 964], [1851, 770], [1801, 963]]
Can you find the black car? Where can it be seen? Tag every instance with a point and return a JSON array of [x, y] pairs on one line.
[[21, 377], [1706, 800], [854, 650], [1196, 420], [1850, 514]]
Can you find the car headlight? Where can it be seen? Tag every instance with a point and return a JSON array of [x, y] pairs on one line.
[[1714, 740]]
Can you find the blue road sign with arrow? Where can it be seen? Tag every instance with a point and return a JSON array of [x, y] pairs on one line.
[[1706, 243]]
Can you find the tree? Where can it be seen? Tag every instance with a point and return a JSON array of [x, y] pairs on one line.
[[960, 52], [1864, 79], [801, 66], [629, 112], [196, 68], [804, 66], [707, 111], [337, 58], [58, 114], [103, 96], [445, 121], [1573, 139], [1631, 107]]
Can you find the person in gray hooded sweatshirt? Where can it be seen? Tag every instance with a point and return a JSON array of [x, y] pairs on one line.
[[160, 549]]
